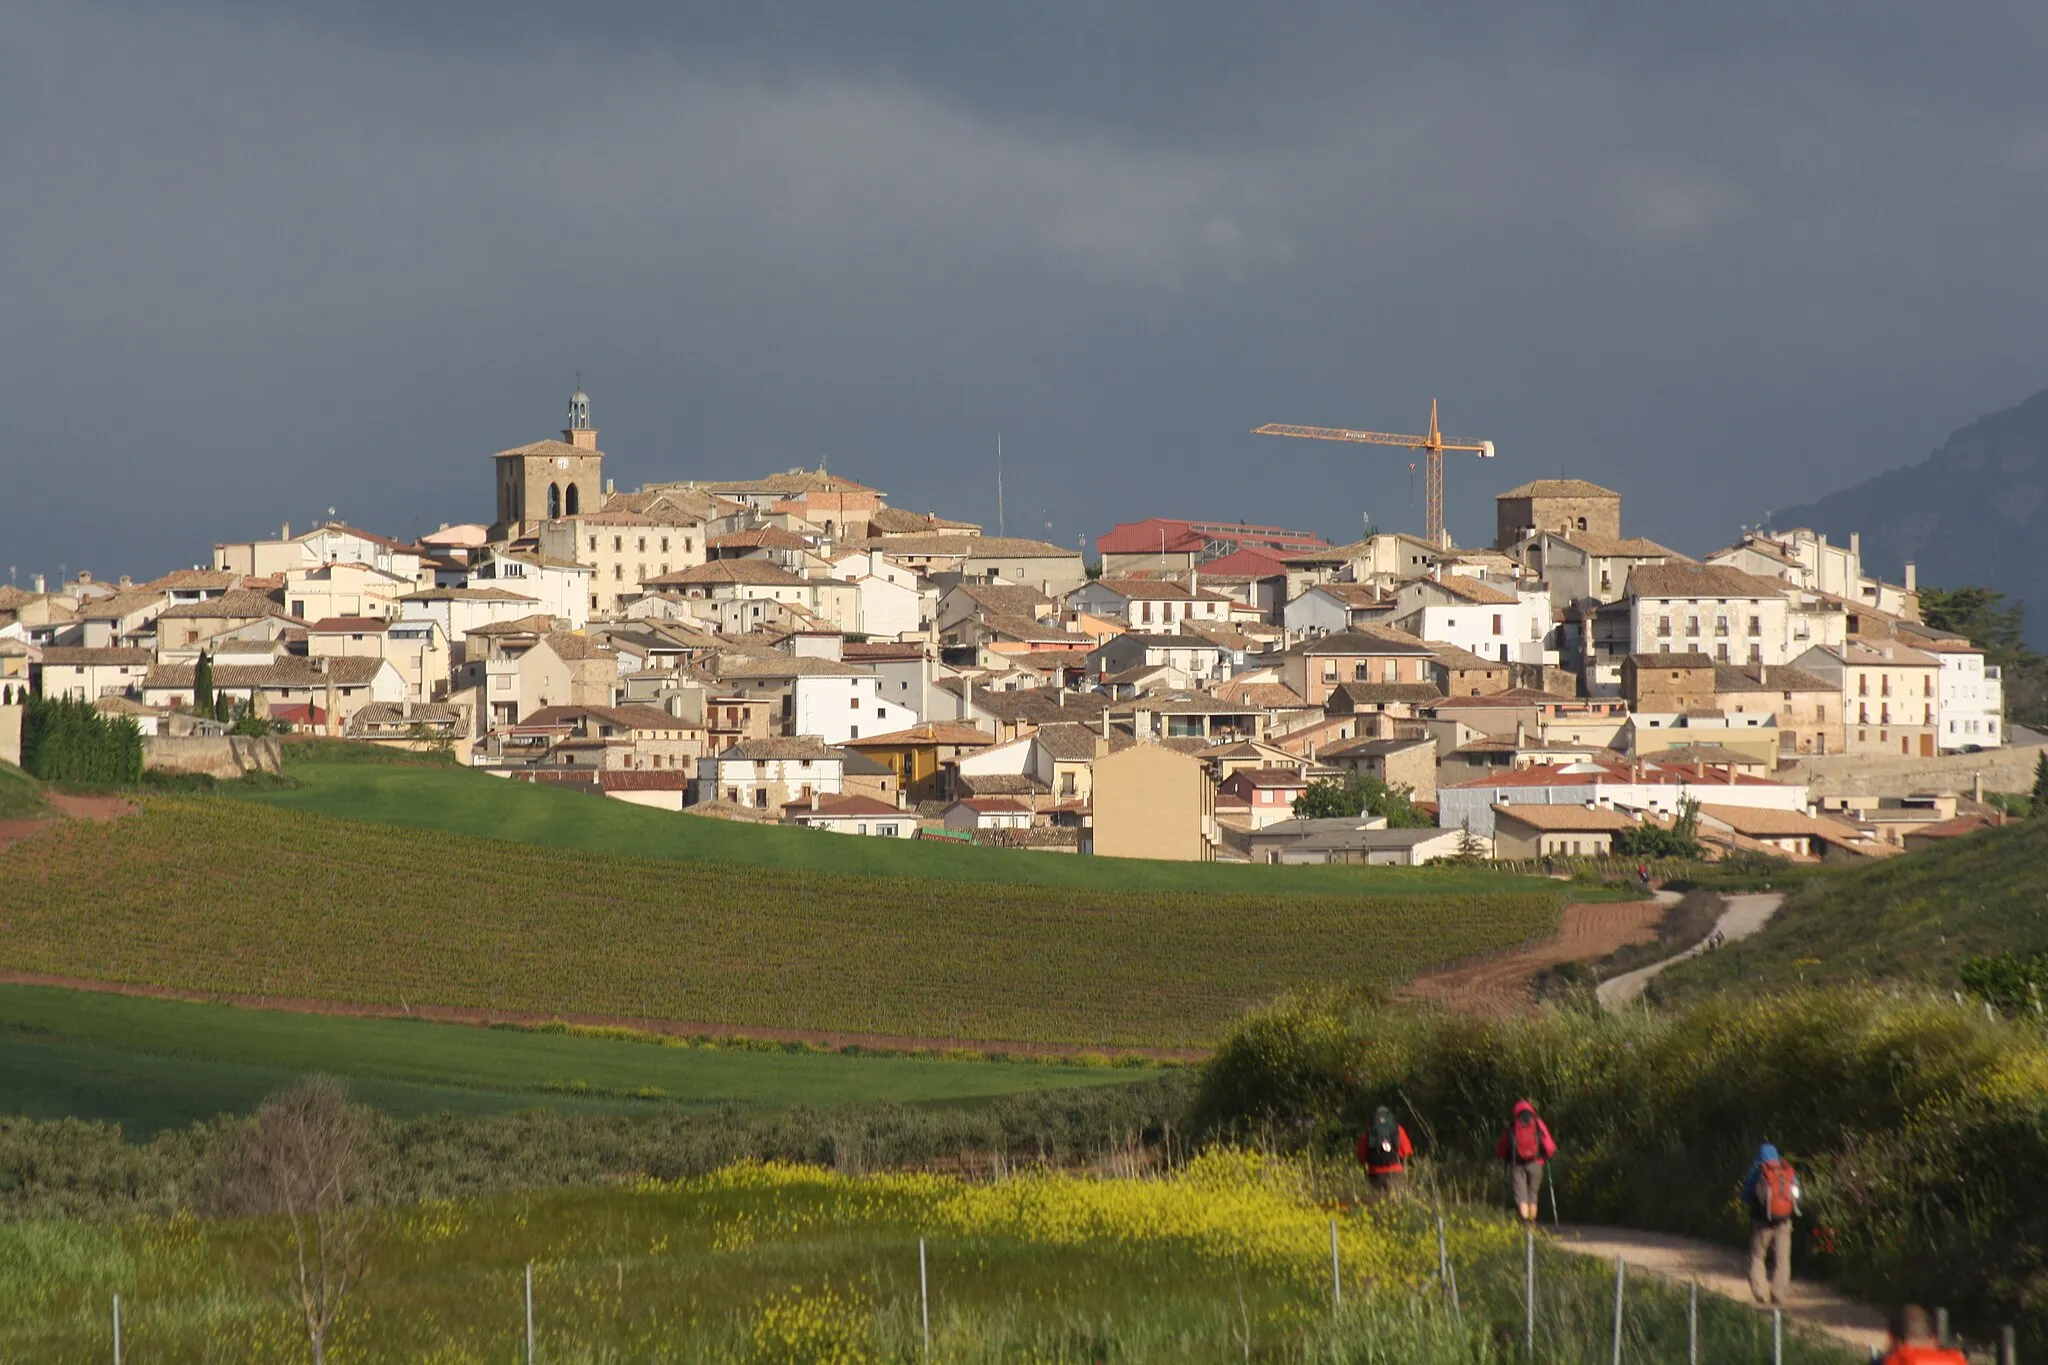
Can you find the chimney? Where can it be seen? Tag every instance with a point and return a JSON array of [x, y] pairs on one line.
[[609, 487], [902, 800], [967, 699], [1856, 543], [1763, 674], [1912, 576], [1521, 734], [285, 532], [36, 581], [816, 797], [1194, 582], [1105, 722], [1977, 787], [1061, 689], [405, 709]]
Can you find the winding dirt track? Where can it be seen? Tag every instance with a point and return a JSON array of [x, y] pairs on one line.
[[1500, 984], [1725, 1271]]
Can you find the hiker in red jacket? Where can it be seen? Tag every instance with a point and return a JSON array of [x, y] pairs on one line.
[[1525, 1147], [1382, 1149], [1914, 1341]]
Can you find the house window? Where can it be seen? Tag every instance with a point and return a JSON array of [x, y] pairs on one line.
[[1391, 673], [1692, 625], [1720, 625], [1862, 684], [886, 831], [1496, 623], [1756, 654], [1361, 671], [618, 544], [593, 544], [1820, 713], [1664, 625], [618, 573], [852, 704], [643, 545], [1756, 625], [761, 797]]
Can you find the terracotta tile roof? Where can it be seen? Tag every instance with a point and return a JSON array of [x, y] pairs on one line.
[[752, 572], [945, 733], [801, 746], [1758, 823], [779, 665], [1777, 678], [1566, 819], [236, 603], [790, 484], [1008, 599], [673, 505], [897, 521], [1619, 547], [761, 538], [74, 655], [1353, 642], [548, 449], [119, 605], [1557, 488], [1458, 657], [467, 595], [967, 547], [288, 670], [1699, 580], [854, 807], [349, 625], [994, 805], [1268, 777], [643, 780], [1270, 696], [195, 580], [1472, 590], [537, 624], [1379, 693]]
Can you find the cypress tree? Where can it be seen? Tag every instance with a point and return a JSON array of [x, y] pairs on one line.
[[202, 685], [2041, 785]]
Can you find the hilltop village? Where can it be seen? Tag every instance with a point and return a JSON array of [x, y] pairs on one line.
[[801, 648]]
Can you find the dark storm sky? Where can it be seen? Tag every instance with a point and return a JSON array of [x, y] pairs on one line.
[[266, 258]]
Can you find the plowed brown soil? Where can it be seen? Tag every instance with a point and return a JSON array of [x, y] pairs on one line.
[[75, 807], [1500, 983]]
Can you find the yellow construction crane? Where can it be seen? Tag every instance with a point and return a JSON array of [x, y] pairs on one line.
[[1433, 443]]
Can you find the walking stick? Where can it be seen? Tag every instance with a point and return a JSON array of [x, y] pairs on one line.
[[1552, 1182]]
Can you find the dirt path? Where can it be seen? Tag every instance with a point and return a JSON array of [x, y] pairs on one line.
[[1743, 917], [1726, 1272], [1500, 984], [13, 832]]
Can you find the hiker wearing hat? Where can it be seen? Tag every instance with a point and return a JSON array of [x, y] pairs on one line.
[[1771, 1192], [1383, 1148]]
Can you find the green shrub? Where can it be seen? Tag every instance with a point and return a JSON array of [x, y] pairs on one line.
[[1922, 1129], [68, 740]]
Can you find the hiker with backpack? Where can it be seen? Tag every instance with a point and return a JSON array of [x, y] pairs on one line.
[[1916, 1342], [1383, 1149], [1771, 1192], [1526, 1146]]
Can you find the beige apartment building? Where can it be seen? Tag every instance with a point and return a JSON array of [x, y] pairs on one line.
[[1153, 802], [1316, 668], [624, 549], [1889, 694]]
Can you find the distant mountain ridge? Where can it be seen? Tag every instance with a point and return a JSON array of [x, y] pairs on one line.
[[1975, 512]]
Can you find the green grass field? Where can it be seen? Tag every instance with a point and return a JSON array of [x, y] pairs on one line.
[[776, 1265], [154, 1064], [461, 801], [253, 898], [1914, 918], [21, 796]]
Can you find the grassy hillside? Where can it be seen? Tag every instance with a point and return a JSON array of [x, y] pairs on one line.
[[154, 1064], [235, 897], [1915, 918], [462, 801], [21, 796]]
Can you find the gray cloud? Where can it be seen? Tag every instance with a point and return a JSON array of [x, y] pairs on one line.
[[264, 260]]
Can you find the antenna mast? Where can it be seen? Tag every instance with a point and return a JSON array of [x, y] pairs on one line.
[[999, 485]]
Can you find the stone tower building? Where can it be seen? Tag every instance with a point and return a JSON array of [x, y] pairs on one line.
[[1565, 506], [550, 479]]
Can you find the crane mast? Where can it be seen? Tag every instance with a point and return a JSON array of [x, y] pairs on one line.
[[1433, 444]]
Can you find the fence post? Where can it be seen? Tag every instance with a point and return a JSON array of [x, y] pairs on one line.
[[924, 1299], [1443, 1258], [117, 1329], [1620, 1270], [2008, 1347], [1692, 1323], [1529, 1293], [1336, 1271], [529, 1313], [1777, 1336], [1941, 1326]]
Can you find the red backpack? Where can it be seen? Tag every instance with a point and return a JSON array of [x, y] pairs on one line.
[[1777, 1190], [1528, 1137]]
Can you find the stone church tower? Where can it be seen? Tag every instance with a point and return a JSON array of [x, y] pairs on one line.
[[550, 479]]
